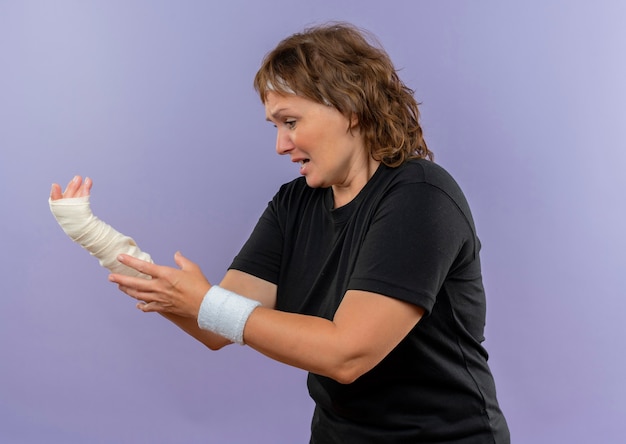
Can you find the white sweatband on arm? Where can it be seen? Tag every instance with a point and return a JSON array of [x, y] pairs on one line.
[[225, 313], [100, 239]]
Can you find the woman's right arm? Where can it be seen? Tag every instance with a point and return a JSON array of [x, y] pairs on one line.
[[236, 281]]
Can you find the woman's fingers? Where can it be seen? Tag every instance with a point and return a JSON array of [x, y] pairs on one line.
[[170, 290], [55, 192], [85, 188], [184, 263], [137, 264], [75, 188], [70, 190], [148, 307], [72, 187], [150, 299], [132, 284]]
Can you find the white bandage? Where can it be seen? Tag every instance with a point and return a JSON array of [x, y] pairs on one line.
[[101, 240], [225, 313]]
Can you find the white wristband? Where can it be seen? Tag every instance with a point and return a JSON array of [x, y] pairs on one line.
[[101, 240], [225, 313]]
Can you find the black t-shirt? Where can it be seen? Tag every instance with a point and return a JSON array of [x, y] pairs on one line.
[[409, 235]]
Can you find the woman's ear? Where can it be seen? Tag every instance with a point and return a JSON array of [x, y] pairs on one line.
[[354, 121]]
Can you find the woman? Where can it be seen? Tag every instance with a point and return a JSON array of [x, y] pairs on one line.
[[365, 271]]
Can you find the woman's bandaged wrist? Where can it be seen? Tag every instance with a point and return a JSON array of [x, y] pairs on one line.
[[225, 313], [100, 239]]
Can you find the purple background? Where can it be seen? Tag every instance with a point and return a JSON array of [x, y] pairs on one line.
[[523, 102]]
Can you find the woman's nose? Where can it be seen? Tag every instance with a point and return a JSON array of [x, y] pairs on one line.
[[283, 143]]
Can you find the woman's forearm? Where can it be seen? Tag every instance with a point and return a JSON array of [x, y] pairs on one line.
[[190, 326]]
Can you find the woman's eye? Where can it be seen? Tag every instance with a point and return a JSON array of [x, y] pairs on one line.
[[290, 124]]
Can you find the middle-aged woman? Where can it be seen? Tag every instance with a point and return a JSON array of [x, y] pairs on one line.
[[365, 271]]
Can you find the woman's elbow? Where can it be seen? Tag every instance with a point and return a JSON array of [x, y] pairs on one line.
[[215, 345], [349, 371]]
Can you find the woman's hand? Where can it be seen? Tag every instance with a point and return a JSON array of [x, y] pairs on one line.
[[76, 188], [170, 291]]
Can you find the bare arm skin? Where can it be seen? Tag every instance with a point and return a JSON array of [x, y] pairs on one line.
[[366, 327], [234, 281]]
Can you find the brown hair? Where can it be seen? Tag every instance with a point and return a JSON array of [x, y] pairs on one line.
[[334, 64]]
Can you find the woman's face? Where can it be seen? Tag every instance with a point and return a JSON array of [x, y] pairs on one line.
[[316, 137]]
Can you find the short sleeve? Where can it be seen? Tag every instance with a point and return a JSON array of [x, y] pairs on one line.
[[260, 256], [415, 237]]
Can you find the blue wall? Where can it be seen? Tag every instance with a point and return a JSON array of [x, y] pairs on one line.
[[523, 102]]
